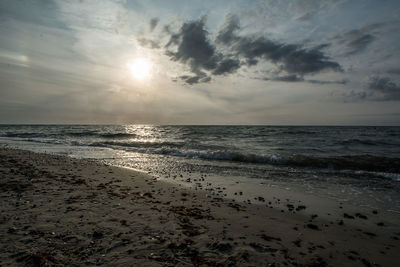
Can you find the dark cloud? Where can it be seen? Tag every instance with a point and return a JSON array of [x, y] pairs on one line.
[[306, 17], [385, 87], [153, 23], [227, 65], [322, 46], [292, 58], [358, 96], [192, 46], [377, 89], [328, 82], [200, 77], [148, 43], [227, 34], [394, 71], [297, 78], [289, 78], [358, 43], [357, 40], [190, 79]]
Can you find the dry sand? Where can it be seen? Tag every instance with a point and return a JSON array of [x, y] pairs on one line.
[[58, 211]]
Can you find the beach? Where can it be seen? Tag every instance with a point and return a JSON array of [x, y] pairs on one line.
[[199, 133], [58, 210]]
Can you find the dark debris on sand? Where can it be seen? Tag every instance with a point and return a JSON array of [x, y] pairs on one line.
[[53, 214]]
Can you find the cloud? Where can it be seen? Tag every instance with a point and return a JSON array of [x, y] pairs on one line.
[[385, 87], [357, 40], [287, 78], [359, 43], [292, 58], [328, 82], [306, 17], [195, 49], [148, 43], [37, 12], [199, 77], [227, 65], [14, 59], [377, 89], [395, 71], [227, 34], [297, 78], [153, 23], [229, 51]]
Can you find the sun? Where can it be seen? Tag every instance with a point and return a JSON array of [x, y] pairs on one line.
[[140, 68]]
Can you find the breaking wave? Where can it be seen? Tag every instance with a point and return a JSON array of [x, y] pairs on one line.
[[344, 148], [344, 162], [136, 144]]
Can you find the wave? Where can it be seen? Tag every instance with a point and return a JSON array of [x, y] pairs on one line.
[[100, 134], [301, 132], [226, 155], [137, 144], [117, 135], [209, 145], [387, 175], [44, 135], [392, 176], [368, 142], [25, 135], [348, 162], [360, 162], [72, 134], [48, 141], [79, 134], [344, 162]]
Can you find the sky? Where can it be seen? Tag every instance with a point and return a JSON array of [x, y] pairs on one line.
[[271, 62]]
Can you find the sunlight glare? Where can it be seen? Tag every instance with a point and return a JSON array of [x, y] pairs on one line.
[[140, 68]]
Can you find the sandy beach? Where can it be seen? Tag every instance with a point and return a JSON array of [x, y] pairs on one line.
[[60, 211]]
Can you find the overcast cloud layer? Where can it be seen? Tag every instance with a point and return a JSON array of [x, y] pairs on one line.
[[213, 62]]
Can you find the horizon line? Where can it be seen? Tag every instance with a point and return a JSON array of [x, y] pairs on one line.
[[150, 124]]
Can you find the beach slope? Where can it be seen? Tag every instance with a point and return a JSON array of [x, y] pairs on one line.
[[58, 211]]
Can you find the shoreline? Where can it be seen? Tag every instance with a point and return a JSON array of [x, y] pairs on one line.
[[58, 210]]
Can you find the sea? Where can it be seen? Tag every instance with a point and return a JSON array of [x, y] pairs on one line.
[[356, 165]]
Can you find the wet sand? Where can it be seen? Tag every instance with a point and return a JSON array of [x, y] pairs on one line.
[[58, 211]]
